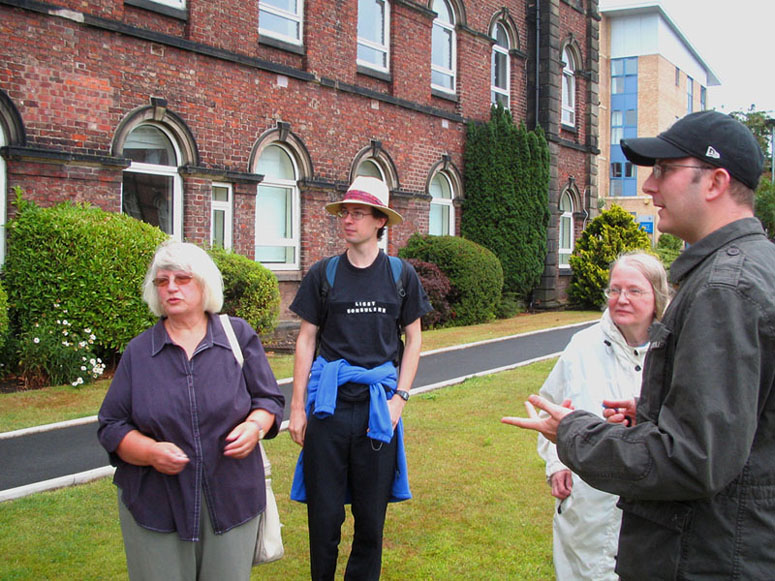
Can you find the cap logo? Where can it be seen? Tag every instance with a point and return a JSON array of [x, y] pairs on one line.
[[712, 153]]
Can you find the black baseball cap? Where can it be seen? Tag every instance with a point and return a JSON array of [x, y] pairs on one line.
[[712, 137]]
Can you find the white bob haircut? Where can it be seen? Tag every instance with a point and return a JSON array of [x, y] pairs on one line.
[[651, 267], [184, 257]]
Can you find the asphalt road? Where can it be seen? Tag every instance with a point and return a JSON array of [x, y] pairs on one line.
[[37, 457]]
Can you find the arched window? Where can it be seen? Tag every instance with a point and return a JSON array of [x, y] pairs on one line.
[[441, 221], [370, 168], [277, 209], [568, 88], [566, 230], [152, 188], [374, 34], [443, 48], [500, 77]]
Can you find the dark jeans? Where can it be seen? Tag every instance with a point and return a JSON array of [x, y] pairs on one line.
[[339, 457]]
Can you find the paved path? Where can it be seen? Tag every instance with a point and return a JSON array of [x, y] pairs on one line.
[[63, 454]]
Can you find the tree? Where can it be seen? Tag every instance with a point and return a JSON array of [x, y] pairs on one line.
[[507, 205], [614, 231], [757, 122]]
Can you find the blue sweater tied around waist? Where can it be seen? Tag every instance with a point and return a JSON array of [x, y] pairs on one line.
[[325, 379]]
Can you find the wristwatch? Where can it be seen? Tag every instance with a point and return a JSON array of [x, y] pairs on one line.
[[404, 395]]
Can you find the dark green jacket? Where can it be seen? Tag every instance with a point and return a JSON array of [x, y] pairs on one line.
[[696, 475]]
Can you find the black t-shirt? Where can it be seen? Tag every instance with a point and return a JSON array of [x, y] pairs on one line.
[[363, 307]]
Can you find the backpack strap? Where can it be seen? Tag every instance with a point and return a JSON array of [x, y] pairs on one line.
[[229, 330]]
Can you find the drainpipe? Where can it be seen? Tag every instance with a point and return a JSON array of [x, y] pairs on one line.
[[538, 59]]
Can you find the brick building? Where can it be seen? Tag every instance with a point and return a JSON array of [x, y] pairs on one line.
[[236, 123]]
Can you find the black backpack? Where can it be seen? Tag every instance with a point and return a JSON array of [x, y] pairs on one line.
[[399, 273]]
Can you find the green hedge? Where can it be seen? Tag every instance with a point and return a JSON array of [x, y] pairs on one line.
[[250, 290], [89, 262], [506, 208], [475, 273], [614, 231]]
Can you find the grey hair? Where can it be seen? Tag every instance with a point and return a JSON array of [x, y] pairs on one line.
[[651, 267], [186, 257]]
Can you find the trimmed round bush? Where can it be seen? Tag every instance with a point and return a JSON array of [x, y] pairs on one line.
[[475, 273], [84, 262], [438, 287], [250, 290], [614, 231]]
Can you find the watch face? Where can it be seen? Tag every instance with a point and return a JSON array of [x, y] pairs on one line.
[[403, 395]]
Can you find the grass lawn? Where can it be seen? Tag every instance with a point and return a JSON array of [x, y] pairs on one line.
[[55, 404], [481, 506]]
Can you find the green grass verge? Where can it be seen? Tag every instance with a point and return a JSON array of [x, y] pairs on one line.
[[481, 506], [56, 404]]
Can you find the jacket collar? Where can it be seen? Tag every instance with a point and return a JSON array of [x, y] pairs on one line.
[[215, 335], [696, 253]]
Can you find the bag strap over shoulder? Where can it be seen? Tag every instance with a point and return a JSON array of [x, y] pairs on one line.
[[229, 330]]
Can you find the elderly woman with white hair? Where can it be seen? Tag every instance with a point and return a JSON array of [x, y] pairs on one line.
[[600, 367], [181, 423]]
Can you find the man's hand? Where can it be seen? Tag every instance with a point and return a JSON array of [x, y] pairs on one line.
[[546, 425], [297, 426]]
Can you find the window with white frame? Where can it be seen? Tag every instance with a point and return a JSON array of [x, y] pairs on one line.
[[441, 221], [568, 89], [281, 19], [374, 34], [566, 230], [443, 48], [277, 209], [179, 4], [500, 77], [152, 187], [221, 213]]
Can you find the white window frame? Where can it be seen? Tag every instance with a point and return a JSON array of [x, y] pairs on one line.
[[442, 203], [568, 89], [179, 4], [166, 171], [497, 50], [294, 240], [382, 48], [449, 29], [297, 17], [566, 221], [227, 208]]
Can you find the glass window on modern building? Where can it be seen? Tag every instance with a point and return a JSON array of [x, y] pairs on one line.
[[441, 221], [566, 230], [624, 124], [500, 75], [568, 89], [152, 188], [277, 209], [689, 94], [221, 215], [443, 48], [374, 34], [281, 19]]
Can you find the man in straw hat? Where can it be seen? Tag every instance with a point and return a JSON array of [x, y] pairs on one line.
[[347, 401], [696, 470]]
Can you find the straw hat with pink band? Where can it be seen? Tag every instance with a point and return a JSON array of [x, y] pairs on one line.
[[369, 192]]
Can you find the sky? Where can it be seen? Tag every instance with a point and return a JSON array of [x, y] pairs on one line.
[[735, 38]]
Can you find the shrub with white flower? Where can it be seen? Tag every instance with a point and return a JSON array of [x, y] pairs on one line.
[[53, 352]]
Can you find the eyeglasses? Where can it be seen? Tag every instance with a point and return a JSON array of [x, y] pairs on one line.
[[633, 293], [356, 215], [180, 280], [660, 169]]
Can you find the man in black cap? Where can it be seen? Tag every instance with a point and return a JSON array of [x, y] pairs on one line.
[[696, 471]]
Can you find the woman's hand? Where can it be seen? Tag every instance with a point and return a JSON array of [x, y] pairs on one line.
[[167, 458], [245, 436], [562, 484], [620, 411]]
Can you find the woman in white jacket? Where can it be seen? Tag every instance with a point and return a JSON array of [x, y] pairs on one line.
[[601, 363]]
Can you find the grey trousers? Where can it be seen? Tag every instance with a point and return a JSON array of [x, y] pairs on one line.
[[154, 556]]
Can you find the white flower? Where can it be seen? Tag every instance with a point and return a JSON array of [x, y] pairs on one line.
[[65, 322], [64, 332], [65, 343], [83, 368], [74, 384], [87, 331], [82, 344], [92, 337], [36, 340]]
